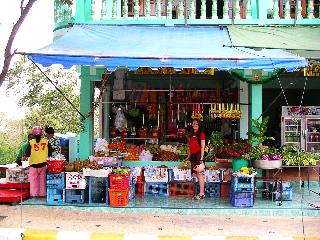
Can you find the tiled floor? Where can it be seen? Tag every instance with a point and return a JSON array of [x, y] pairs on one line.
[[300, 204]]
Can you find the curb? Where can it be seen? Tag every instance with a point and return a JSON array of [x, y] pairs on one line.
[[37, 234]]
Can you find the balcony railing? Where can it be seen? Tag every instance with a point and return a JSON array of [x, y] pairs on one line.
[[212, 12]]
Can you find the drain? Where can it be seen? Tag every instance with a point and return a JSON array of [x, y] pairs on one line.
[[3, 217]]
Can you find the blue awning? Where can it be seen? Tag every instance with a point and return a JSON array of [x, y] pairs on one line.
[[159, 46]]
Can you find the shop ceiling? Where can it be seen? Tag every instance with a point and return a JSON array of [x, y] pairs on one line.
[[198, 47]]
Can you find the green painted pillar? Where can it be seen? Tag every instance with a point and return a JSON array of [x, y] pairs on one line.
[[256, 101], [86, 99], [82, 10], [244, 100], [262, 10], [254, 8]]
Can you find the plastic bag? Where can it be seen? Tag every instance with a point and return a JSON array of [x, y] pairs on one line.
[[120, 121]]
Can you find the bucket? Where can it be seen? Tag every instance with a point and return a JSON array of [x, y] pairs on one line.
[[237, 164]]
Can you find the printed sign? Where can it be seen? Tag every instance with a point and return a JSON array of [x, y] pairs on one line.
[[313, 70]]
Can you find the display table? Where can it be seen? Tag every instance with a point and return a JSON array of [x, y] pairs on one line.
[[158, 163]]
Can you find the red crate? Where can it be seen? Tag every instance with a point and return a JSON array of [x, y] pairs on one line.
[[225, 189], [118, 197], [119, 181], [181, 189], [140, 177], [139, 190]]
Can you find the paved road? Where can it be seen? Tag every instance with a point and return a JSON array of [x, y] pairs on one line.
[[258, 227]]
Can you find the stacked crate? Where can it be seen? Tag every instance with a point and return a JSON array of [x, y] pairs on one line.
[[55, 188], [242, 191], [226, 174], [212, 180], [286, 192], [156, 182], [119, 189], [76, 188], [180, 182], [98, 187]]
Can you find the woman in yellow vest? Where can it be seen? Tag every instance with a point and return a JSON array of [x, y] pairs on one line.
[[38, 151]]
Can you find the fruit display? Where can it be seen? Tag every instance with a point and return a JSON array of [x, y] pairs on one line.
[[183, 149], [120, 170], [153, 148], [169, 148], [133, 154], [117, 146], [168, 156]]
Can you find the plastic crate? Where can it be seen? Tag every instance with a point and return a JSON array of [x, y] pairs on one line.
[[179, 175], [118, 197], [286, 195], [212, 176], [156, 189], [119, 181], [75, 180], [55, 196], [211, 189], [241, 199], [242, 184], [139, 189], [181, 189], [19, 175], [98, 190], [55, 180], [156, 175], [76, 196], [225, 189]]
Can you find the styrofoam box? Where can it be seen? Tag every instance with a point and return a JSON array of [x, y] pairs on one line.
[[75, 180]]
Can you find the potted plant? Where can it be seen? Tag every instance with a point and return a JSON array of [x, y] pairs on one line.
[[296, 156], [237, 152], [262, 156]]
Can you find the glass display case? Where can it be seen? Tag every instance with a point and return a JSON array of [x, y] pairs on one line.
[[300, 126]]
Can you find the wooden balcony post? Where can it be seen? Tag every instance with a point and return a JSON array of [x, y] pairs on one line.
[[287, 9], [92, 10], [169, 9], [114, 9], [147, 9], [203, 9], [181, 7], [214, 9], [275, 11], [248, 14], [192, 9], [310, 9], [299, 9], [225, 9], [125, 9], [236, 9], [158, 8], [136, 9]]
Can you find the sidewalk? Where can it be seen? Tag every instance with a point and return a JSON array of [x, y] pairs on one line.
[[81, 223]]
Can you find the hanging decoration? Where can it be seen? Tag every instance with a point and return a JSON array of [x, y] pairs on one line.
[[171, 70], [257, 76], [197, 111], [225, 110]]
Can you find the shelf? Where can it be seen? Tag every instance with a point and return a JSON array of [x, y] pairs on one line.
[[292, 142], [313, 142], [290, 131], [158, 163]]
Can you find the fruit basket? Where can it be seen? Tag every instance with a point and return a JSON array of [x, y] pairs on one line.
[[56, 166]]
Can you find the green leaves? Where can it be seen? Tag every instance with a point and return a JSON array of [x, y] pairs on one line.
[[259, 129], [46, 105]]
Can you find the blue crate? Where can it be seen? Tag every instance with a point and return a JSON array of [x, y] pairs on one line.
[[76, 195], [56, 180], [156, 189], [132, 191], [98, 190], [55, 196], [242, 184], [241, 199], [211, 189], [286, 194]]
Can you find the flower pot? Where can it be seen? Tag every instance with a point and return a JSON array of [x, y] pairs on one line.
[[237, 164], [268, 164]]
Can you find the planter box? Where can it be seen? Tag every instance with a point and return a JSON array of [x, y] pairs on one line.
[[268, 164]]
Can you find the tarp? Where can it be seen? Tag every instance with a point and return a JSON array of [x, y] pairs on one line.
[[158, 46], [302, 40]]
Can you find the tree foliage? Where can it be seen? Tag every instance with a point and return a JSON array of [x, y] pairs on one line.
[[46, 105]]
